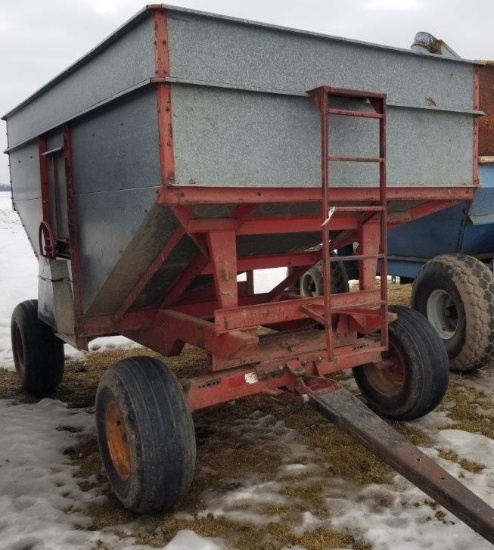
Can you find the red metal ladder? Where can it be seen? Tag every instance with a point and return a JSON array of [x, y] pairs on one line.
[[367, 212]]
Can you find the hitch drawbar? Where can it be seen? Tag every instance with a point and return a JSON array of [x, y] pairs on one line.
[[344, 410]]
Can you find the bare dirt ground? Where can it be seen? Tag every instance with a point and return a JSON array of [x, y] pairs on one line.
[[223, 456]]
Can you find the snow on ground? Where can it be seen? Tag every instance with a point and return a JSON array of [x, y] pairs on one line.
[[42, 507]]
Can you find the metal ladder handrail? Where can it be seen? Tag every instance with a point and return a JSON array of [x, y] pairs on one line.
[[378, 102]]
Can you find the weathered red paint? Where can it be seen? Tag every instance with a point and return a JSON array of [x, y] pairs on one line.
[[178, 194], [272, 260], [163, 96], [223, 255], [248, 317], [171, 328], [371, 235], [160, 38]]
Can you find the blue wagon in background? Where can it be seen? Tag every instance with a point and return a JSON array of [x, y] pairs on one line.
[[449, 257]]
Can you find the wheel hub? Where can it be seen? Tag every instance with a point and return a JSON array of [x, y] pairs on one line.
[[442, 313], [388, 375], [116, 438], [307, 285]]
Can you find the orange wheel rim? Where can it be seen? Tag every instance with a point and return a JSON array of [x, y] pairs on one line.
[[116, 439], [388, 376]]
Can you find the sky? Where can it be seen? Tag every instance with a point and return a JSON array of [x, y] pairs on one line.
[[39, 39]]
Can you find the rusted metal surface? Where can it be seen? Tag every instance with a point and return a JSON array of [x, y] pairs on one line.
[[116, 440], [181, 284], [428, 42], [273, 260], [232, 195], [172, 328], [223, 256], [163, 96], [211, 389], [75, 259], [278, 312], [348, 413], [484, 85]]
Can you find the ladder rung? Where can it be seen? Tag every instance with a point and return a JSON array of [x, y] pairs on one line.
[[356, 94], [361, 114], [355, 159], [359, 209]]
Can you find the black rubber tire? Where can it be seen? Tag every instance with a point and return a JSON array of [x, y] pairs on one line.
[[38, 353], [420, 380], [311, 282], [157, 434], [468, 286]]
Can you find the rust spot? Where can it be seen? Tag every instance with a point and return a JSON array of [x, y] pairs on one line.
[[486, 123], [226, 275]]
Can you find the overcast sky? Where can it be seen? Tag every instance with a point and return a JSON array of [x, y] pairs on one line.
[[40, 38]]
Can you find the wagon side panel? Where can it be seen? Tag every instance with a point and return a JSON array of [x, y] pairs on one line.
[[116, 172], [242, 116]]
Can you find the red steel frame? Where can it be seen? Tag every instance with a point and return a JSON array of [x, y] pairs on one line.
[[224, 318]]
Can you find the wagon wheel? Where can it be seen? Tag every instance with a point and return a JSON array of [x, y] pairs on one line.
[[38, 353], [145, 434], [456, 293], [311, 282], [412, 377]]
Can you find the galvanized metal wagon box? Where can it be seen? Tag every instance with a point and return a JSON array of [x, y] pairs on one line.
[[188, 148]]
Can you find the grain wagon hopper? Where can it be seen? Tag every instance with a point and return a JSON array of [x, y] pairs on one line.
[[189, 148]]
